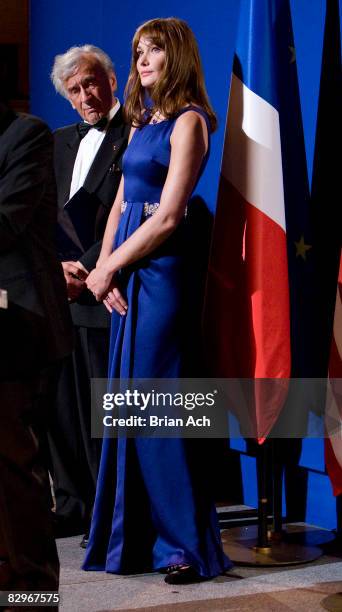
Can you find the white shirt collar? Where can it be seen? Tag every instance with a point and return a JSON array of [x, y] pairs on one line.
[[113, 110]]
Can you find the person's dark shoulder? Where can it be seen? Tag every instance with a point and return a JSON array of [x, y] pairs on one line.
[[65, 132], [62, 137], [28, 129], [24, 121], [118, 121]]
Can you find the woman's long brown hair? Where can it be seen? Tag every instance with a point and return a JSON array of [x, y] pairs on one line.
[[181, 82]]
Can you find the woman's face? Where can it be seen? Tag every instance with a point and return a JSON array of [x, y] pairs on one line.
[[150, 62]]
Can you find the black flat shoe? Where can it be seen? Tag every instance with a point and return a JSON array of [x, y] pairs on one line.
[[182, 574], [84, 541]]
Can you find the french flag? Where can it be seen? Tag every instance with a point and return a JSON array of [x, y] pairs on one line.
[[247, 321]]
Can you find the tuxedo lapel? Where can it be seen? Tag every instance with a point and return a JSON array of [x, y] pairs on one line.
[[67, 166], [109, 151]]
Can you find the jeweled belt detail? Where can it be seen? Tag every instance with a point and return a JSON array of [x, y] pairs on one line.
[[148, 210]]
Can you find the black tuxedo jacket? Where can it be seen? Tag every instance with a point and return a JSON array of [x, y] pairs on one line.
[[36, 328], [99, 191]]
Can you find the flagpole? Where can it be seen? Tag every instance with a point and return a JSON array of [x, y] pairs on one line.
[[277, 495], [265, 545], [262, 543]]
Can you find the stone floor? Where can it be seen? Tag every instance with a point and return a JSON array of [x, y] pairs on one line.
[[310, 587]]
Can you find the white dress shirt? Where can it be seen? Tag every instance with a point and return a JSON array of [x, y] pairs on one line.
[[87, 150]]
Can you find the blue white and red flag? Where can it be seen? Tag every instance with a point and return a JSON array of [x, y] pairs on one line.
[[260, 230]]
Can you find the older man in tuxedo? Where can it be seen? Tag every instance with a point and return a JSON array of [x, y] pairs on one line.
[[88, 157], [36, 334]]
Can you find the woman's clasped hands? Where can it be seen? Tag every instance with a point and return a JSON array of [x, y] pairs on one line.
[[104, 287]]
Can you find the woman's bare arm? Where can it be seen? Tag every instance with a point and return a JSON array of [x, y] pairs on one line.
[[111, 226]]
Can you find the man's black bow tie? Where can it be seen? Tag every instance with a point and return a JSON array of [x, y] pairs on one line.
[[84, 128]]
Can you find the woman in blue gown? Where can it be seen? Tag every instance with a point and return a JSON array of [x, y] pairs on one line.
[[158, 516]]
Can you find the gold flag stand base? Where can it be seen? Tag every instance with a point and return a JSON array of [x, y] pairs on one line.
[[256, 545], [290, 547], [333, 603]]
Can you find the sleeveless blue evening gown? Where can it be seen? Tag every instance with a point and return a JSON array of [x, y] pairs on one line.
[[159, 514]]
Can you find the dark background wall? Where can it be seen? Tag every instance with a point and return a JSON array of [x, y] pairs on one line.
[[14, 35], [58, 24]]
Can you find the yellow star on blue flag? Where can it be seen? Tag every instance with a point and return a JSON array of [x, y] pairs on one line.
[[302, 248]]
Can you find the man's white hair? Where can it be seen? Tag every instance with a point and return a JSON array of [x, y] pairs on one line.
[[67, 63]]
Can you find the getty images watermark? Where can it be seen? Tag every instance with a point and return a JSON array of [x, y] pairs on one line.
[[215, 408], [161, 401]]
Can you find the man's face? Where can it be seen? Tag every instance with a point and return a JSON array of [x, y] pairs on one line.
[[90, 90]]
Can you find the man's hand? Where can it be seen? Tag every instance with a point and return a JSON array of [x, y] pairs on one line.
[[75, 276]]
